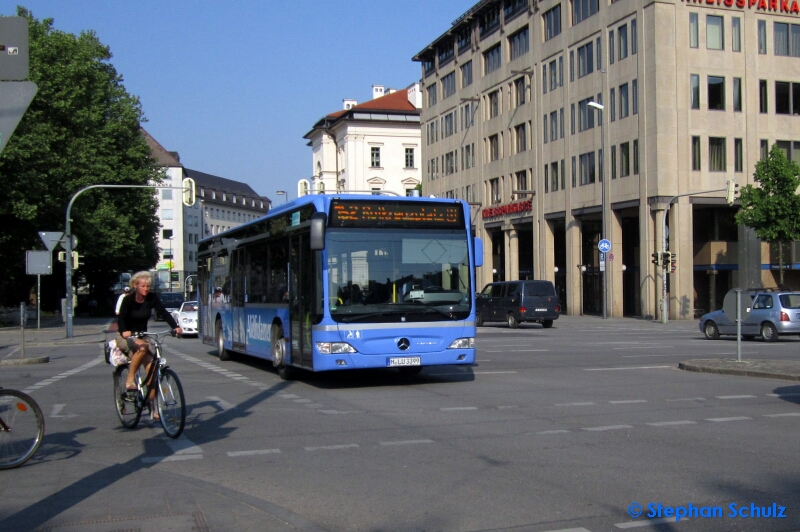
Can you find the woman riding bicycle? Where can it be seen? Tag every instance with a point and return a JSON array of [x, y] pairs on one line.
[[133, 315]]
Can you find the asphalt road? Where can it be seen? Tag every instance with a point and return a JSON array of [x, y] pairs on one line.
[[556, 429]]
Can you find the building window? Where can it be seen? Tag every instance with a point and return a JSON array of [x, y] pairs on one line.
[[737, 94], [494, 190], [587, 115], [522, 180], [583, 9], [552, 22], [738, 154], [494, 103], [519, 91], [432, 95], [546, 179], [599, 100], [764, 148], [429, 66], [375, 157], [635, 156], [544, 79], [563, 185], [466, 74], [519, 43], [166, 193], [574, 173], [585, 60], [553, 76], [467, 115], [611, 47], [561, 123], [554, 176], [716, 154], [715, 32], [716, 93], [624, 159], [587, 168], [449, 122], [623, 41], [545, 136], [787, 98], [554, 126], [489, 21], [695, 91], [450, 165], [693, 30], [494, 147], [787, 39], [446, 52], [464, 39], [613, 162], [696, 153], [762, 36], [521, 138], [634, 38], [623, 100], [491, 60], [572, 65], [449, 85], [613, 102], [635, 96], [468, 156], [166, 214], [561, 71], [762, 96], [736, 34], [409, 157], [572, 119]]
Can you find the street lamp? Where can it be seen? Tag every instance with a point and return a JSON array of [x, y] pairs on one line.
[[599, 108], [284, 194]]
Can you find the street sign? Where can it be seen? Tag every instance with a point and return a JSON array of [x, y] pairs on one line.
[[13, 49], [38, 262], [63, 242], [15, 97], [610, 257], [50, 239], [604, 246], [602, 262]]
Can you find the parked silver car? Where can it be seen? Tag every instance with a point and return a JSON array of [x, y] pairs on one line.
[[772, 314]]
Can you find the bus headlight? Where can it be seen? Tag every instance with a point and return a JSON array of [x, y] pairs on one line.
[[462, 343], [334, 348]]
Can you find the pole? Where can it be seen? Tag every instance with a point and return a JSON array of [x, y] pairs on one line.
[[38, 301], [739, 324], [604, 231], [22, 319]]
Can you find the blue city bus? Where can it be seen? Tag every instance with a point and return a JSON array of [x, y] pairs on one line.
[[337, 282]]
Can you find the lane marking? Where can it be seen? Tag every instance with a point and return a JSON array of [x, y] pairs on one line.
[[335, 412], [628, 402], [724, 419], [570, 530], [644, 347], [332, 447], [672, 423], [781, 395], [790, 414], [687, 399], [574, 404], [631, 367], [405, 442], [51, 380], [609, 427], [224, 405], [560, 431], [459, 408], [56, 412], [234, 454], [736, 397], [173, 458]]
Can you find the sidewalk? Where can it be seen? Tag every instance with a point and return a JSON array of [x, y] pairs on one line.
[[788, 370], [53, 333]]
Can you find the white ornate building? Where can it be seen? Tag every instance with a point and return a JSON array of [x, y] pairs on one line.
[[372, 146]]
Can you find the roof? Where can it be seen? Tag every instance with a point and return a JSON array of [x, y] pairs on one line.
[[160, 154], [392, 103], [229, 186]]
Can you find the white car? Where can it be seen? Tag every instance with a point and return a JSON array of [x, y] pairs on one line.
[[186, 316]]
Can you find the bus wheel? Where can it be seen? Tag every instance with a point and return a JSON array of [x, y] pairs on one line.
[[279, 353], [222, 353]]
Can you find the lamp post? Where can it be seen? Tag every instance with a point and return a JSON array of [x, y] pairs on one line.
[[603, 232], [282, 193], [170, 264]]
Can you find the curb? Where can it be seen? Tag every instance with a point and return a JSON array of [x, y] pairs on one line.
[[736, 371], [25, 361]]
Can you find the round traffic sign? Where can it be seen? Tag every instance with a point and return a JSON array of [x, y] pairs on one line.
[[604, 246]]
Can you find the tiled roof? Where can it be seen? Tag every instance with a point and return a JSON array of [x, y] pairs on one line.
[[160, 154], [220, 184]]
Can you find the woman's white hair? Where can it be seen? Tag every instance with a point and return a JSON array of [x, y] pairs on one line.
[[136, 277]]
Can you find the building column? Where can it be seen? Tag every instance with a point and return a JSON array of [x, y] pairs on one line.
[[656, 287], [548, 255], [574, 263], [512, 253], [614, 268]]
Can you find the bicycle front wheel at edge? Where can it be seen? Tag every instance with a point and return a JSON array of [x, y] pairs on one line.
[[171, 404], [21, 428]]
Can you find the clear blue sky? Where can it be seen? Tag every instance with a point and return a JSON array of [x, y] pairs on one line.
[[233, 86]]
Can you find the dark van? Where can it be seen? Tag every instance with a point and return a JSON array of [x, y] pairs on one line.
[[518, 301]]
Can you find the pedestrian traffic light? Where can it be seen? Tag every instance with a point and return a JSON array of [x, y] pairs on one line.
[[76, 260], [62, 256], [656, 259], [730, 192], [666, 258], [188, 191]]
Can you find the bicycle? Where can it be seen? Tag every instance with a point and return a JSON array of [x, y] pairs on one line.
[[169, 403], [21, 428]]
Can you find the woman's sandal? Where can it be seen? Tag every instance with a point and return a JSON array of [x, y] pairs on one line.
[[153, 412], [131, 387]]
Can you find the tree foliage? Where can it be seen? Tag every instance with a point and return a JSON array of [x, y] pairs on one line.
[[81, 129], [772, 209]]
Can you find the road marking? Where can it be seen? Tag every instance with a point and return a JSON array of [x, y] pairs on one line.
[[12, 352], [225, 405], [332, 447], [253, 453], [56, 412], [628, 402], [687, 399], [570, 530], [334, 412], [51, 380], [672, 423], [573, 404], [288, 396], [736, 397], [790, 414], [648, 356], [630, 367], [560, 431], [648, 522], [644, 347], [507, 407], [609, 427], [723, 419], [459, 408], [405, 442], [781, 395], [172, 458], [485, 372]]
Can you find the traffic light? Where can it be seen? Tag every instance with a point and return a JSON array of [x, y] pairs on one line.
[[656, 259], [62, 256], [731, 191], [188, 191], [666, 258], [75, 260]]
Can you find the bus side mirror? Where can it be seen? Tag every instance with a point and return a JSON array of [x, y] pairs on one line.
[[318, 222], [478, 247]]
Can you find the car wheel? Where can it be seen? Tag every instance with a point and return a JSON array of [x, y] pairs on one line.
[[512, 321], [711, 331], [547, 324], [478, 319], [768, 332]]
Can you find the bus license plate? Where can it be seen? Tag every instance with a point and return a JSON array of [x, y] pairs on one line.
[[404, 361]]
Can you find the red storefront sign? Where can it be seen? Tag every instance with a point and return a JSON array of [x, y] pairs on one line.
[[510, 208], [781, 6]]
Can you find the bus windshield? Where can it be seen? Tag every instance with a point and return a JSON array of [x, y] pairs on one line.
[[394, 275]]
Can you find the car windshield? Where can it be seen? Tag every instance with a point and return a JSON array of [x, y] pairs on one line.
[[397, 275], [172, 300], [189, 307]]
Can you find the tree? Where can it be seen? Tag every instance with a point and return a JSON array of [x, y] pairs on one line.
[[772, 209], [81, 129]]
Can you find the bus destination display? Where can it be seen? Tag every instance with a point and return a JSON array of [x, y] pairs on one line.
[[396, 214]]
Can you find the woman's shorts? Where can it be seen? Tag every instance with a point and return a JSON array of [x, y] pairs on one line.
[[129, 346]]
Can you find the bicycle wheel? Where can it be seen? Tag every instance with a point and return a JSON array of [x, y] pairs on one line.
[[171, 404], [127, 411], [21, 428]]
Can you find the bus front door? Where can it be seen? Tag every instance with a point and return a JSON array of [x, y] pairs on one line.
[[237, 300], [301, 287]]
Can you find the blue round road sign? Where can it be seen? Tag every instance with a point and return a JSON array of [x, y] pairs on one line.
[[604, 246]]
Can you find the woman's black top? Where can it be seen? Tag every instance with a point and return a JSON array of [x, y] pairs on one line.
[[133, 316]]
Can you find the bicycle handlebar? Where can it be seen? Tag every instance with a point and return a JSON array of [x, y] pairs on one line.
[[157, 335]]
